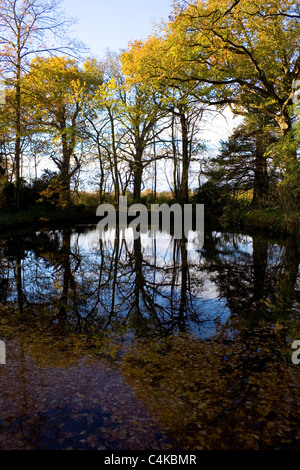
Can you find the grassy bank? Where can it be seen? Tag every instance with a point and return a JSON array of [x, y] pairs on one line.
[[237, 215], [270, 219], [38, 215]]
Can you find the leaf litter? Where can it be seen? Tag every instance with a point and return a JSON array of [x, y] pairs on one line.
[[83, 405]]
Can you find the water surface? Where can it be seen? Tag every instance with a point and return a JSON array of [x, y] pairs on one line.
[[116, 343]]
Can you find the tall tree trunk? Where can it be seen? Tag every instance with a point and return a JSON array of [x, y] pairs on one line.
[[115, 157], [102, 175], [138, 165], [184, 184], [137, 177], [155, 172], [18, 136], [65, 169], [175, 159], [261, 181]]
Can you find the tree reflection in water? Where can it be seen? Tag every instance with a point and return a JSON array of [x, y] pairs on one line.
[[85, 282], [203, 338]]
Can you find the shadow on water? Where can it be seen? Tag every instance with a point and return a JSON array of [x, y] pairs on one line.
[[123, 343]]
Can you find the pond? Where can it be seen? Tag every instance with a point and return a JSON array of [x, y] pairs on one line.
[[116, 343]]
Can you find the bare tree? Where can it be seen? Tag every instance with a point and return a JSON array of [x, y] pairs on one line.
[[29, 28]]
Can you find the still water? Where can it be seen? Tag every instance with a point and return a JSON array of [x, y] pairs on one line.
[[116, 343]]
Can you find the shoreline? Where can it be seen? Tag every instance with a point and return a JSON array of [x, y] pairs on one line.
[[257, 220]]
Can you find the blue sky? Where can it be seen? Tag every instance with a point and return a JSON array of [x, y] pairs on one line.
[[111, 24]]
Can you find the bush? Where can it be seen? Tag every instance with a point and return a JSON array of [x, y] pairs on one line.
[[235, 212], [29, 193], [42, 183], [212, 195], [7, 195], [85, 199]]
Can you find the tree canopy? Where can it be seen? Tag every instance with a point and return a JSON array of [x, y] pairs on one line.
[[141, 113]]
